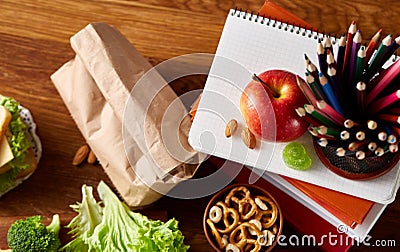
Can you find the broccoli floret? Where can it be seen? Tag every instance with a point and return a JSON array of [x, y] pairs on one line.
[[31, 235]]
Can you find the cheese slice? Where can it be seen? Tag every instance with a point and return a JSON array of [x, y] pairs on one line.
[[5, 152]]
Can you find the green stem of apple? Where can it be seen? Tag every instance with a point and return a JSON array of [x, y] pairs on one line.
[[269, 89]]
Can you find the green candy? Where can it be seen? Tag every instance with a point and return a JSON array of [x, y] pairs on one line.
[[296, 157]]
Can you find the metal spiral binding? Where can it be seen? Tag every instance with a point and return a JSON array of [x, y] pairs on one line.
[[282, 25], [287, 26]]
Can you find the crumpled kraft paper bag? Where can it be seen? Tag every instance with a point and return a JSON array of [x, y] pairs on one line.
[[95, 86]]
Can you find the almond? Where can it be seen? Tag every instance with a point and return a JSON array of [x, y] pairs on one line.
[[248, 138], [91, 157], [81, 154], [230, 128]]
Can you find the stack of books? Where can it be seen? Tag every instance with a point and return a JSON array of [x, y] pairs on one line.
[[316, 205]]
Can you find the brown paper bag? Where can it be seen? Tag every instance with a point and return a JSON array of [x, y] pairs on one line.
[[96, 86]]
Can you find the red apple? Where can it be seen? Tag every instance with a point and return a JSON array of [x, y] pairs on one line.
[[270, 100]]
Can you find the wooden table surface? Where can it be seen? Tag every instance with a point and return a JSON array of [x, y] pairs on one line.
[[34, 43]]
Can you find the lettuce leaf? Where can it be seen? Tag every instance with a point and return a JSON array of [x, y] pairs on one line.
[[19, 144], [121, 229], [82, 225]]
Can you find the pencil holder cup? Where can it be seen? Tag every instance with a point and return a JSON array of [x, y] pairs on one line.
[[354, 99], [352, 168]]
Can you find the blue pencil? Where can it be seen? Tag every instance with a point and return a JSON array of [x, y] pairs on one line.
[[330, 94]]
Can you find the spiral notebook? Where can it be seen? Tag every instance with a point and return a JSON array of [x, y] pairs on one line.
[[252, 44]]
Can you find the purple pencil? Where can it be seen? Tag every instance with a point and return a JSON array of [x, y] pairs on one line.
[[353, 57]]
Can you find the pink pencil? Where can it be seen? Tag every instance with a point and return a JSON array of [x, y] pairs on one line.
[[383, 102], [328, 110], [390, 74]]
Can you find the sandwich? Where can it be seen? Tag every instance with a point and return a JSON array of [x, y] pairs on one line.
[[17, 159]]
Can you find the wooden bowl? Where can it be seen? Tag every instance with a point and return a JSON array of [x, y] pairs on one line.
[[254, 191], [351, 168]]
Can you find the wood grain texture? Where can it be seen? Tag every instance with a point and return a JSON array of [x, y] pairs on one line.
[[34, 43]]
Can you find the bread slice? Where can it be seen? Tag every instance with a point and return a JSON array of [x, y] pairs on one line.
[[31, 161], [5, 118]]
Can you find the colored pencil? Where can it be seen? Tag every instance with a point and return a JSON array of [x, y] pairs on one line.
[[387, 77], [379, 151], [360, 65], [361, 97], [340, 54], [336, 84], [306, 61], [391, 49], [330, 59], [328, 44], [372, 45], [372, 125], [395, 111], [382, 136], [330, 94], [348, 123], [323, 66], [323, 130], [314, 131], [395, 119], [317, 114], [383, 102], [331, 112], [360, 135], [353, 57], [393, 148], [372, 146], [340, 152], [344, 135], [392, 139], [308, 93], [376, 60], [308, 118], [350, 34], [360, 155], [356, 145], [323, 141], [315, 87]]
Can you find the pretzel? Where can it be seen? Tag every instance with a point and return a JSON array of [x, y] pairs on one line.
[[256, 223], [260, 204], [242, 198], [241, 238], [242, 222], [231, 248], [215, 214], [230, 218], [267, 217], [216, 234], [224, 240]]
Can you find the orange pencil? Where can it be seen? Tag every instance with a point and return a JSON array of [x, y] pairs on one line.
[[373, 44]]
